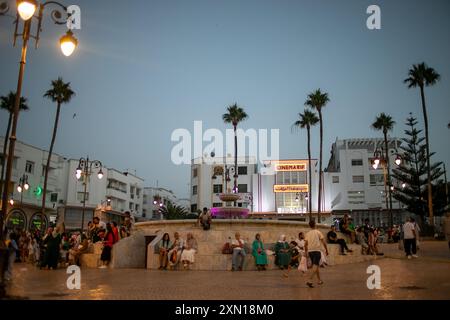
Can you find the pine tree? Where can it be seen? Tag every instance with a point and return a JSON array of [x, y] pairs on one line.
[[412, 172]]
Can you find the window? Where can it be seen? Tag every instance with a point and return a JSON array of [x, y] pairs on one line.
[[356, 197], [130, 206], [194, 190], [29, 167], [43, 170], [136, 208], [193, 208], [242, 188], [358, 179], [335, 179], [194, 172], [217, 204], [357, 162], [242, 171], [376, 180], [80, 196], [217, 188], [54, 197]]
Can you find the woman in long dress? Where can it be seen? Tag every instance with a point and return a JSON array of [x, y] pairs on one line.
[[259, 253], [282, 254], [189, 250]]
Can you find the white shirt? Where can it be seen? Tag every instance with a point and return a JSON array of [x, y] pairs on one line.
[[300, 244], [313, 238], [236, 243], [408, 230]]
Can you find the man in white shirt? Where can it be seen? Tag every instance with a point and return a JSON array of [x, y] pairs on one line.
[[177, 248], [238, 250], [314, 240], [409, 238]]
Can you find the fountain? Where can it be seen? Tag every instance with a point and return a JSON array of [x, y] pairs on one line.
[[229, 211]]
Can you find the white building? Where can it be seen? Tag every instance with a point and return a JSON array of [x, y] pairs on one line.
[[208, 181], [29, 163], [155, 198], [353, 186]]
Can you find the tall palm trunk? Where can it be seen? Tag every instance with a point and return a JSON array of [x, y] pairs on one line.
[[5, 145], [55, 129], [319, 207], [386, 146], [427, 143], [308, 128], [235, 161]]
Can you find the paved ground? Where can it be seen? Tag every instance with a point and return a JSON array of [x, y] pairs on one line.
[[425, 278]]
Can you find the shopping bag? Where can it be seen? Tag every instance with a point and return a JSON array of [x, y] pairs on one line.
[[323, 259], [303, 266]]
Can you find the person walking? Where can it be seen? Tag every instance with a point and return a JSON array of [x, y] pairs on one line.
[[314, 240], [409, 239]]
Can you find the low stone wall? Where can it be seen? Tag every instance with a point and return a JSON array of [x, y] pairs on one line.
[[131, 252]]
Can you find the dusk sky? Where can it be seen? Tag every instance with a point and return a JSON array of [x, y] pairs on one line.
[[145, 68]]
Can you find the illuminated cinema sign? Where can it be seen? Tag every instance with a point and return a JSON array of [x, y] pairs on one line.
[[290, 167], [283, 188]]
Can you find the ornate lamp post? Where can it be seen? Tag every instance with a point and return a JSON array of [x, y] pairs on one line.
[[23, 185], [383, 160], [26, 10], [84, 170]]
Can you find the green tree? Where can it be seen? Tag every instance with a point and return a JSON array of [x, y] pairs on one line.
[[7, 104], [318, 100], [412, 172], [420, 75], [385, 123], [235, 115], [308, 119], [60, 93], [174, 212]]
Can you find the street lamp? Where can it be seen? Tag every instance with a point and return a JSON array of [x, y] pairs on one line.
[[383, 160], [84, 170], [23, 185], [25, 11]]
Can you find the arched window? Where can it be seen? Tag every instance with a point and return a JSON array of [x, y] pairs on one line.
[[38, 222], [16, 220]]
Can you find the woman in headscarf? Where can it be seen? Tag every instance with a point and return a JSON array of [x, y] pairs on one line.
[[259, 253], [282, 254], [190, 248]]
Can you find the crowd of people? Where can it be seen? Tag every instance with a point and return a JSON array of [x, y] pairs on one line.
[[60, 248]]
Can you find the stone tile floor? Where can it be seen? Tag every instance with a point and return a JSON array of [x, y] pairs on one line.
[[425, 278]]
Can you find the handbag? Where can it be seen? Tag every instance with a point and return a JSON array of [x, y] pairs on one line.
[[173, 257], [303, 265], [226, 249]]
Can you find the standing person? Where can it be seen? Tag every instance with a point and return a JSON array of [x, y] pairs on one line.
[[409, 237], [189, 250], [107, 247], [13, 248], [175, 251], [53, 242], [115, 232], [282, 254], [417, 228], [205, 219], [129, 222], [164, 245], [259, 253], [238, 250], [314, 240]]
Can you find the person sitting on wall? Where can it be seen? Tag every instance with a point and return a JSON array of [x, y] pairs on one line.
[[295, 254], [282, 254], [346, 228], [362, 240], [75, 253], [164, 245], [238, 252], [332, 239], [175, 251], [259, 253], [205, 219], [189, 251]]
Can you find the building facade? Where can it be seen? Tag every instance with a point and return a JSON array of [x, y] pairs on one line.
[[155, 198], [355, 187]]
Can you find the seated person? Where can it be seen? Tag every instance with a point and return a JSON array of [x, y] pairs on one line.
[[372, 242], [346, 228], [189, 250], [205, 219], [282, 254], [238, 252], [332, 238], [259, 253], [295, 254], [164, 246], [175, 251]]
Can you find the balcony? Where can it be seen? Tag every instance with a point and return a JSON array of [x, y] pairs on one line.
[[119, 194]]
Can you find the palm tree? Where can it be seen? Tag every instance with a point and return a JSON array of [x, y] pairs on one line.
[[235, 115], [385, 123], [7, 104], [317, 100], [420, 76], [173, 212], [308, 119], [60, 93]]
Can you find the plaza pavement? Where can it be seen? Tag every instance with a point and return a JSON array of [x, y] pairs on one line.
[[427, 277]]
